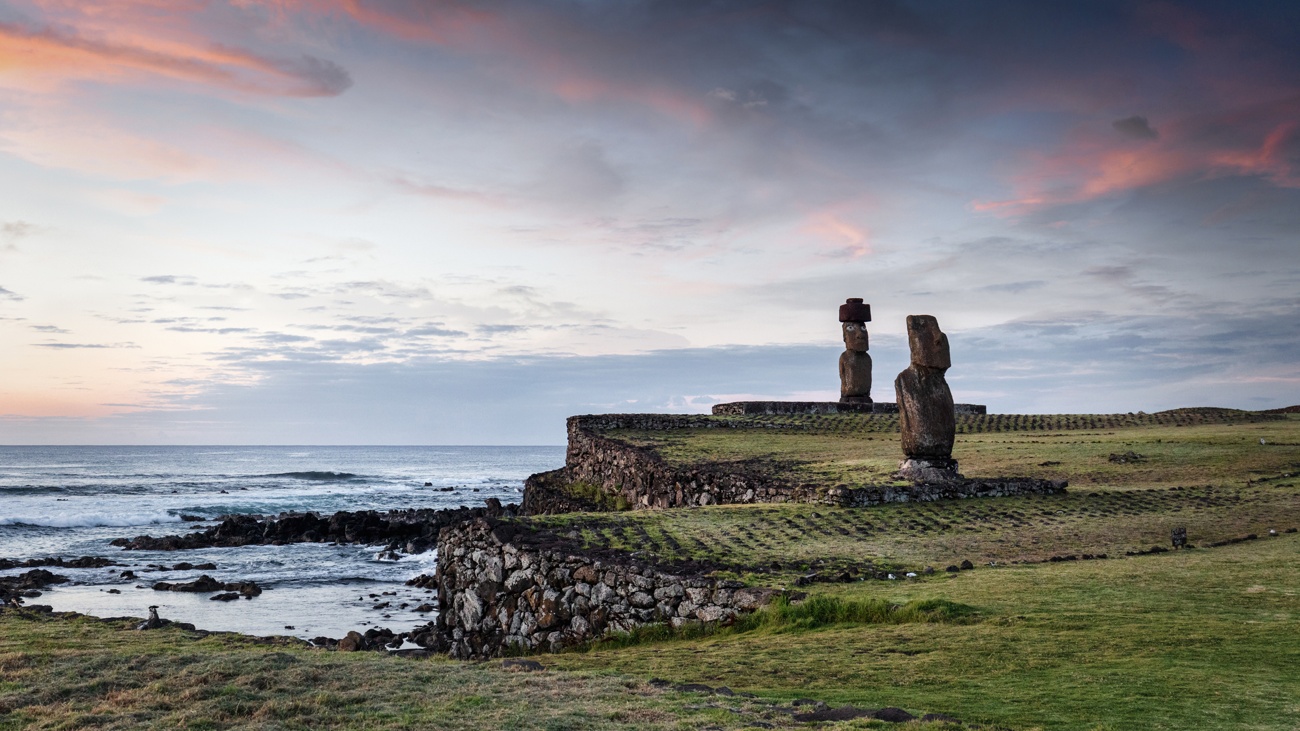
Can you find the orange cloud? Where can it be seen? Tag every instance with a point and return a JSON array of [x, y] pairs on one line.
[[1247, 143], [51, 54]]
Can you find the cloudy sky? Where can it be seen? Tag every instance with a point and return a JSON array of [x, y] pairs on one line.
[[406, 222]]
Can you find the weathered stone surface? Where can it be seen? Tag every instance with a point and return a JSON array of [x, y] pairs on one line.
[[925, 408], [855, 375], [572, 597], [855, 363], [927, 343]]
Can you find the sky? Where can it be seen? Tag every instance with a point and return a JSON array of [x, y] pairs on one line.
[[407, 222]]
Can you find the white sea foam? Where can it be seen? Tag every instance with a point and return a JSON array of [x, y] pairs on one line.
[[90, 520]]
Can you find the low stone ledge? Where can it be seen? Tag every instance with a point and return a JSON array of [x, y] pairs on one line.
[[869, 495], [504, 590]]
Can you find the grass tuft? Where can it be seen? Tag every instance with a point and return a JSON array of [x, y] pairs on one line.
[[829, 611]]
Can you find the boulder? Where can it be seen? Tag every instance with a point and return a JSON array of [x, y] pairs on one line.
[[353, 642]]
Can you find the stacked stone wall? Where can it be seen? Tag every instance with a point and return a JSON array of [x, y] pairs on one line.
[[504, 592], [642, 478]]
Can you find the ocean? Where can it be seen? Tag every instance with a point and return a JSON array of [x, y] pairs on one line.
[[72, 501]]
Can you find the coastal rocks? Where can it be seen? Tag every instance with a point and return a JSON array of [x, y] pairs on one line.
[[85, 562], [13, 589], [855, 363], [413, 530], [206, 584], [925, 407], [504, 591]]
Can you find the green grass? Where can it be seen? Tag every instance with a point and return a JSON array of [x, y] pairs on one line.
[[854, 449], [70, 674], [1202, 639]]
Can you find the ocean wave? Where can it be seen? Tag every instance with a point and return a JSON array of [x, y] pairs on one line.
[[31, 489], [90, 520], [313, 475]]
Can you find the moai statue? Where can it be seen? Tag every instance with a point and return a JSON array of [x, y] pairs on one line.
[[925, 412], [855, 363]]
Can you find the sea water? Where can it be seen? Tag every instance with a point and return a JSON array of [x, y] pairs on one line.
[[72, 501]]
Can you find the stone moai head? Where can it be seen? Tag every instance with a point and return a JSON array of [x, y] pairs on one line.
[[929, 344], [854, 316]]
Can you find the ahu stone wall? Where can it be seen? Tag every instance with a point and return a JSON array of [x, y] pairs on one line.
[[641, 479], [502, 592]]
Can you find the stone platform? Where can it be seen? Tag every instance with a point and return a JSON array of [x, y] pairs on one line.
[[742, 408]]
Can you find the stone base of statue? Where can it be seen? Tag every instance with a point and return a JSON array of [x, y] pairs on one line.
[[929, 470], [856, 400]]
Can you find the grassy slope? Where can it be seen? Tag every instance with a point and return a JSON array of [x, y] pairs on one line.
[[1208, 638], [1196, 640], [58, 673]]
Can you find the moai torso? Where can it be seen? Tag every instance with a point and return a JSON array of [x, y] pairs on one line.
[[855, 363], [925, 410]]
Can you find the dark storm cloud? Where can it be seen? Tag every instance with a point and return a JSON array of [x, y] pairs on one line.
[[1135, 127]]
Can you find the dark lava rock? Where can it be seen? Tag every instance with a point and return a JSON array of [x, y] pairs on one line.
[[1129, 457], [85, 562], [415, 528], [894, 715], [967, 565], [354, 642], [205, 584], [14, 588], [228, 596], [522, 666]]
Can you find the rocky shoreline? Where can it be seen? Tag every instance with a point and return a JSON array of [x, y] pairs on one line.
[[409, 531]]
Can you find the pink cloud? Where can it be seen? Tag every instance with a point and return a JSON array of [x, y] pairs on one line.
[[1257, 141], [125, 51]]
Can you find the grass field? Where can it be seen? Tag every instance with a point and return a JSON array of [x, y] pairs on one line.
[[1207, 638]]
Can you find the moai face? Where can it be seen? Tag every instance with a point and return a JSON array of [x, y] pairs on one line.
[[928, 343], [855, 336]]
